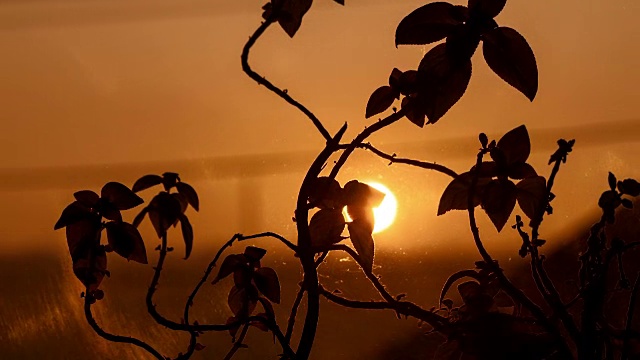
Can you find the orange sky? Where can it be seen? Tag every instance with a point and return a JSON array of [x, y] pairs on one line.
[[118, 81]]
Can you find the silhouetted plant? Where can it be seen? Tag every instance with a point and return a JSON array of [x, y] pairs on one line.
[[496, 319]]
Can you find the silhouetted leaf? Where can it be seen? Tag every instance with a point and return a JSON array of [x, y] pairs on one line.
[[164, 211], [490, 8], [254, 253], [326, 226], [291, 13], [190, 194], [455, 277], [408, 82], [82, 236], [394, 78], [146, 182], [234, 329], [429, 23], [182, 200], [341, 2], [508, 54], [326, 193], [498, 201], [126, 241], [361, 194], [242, 302], [531, 195], [109, 211], [462, 42], [267, 282], [380, 100], [443, 80], [87, 198], [456, 195], [415, 113], [520, 171], [72, 213], [612, 181], [230, 264], [629, 187], [515, 145], [187, 234], [138, 219], [90, 270], [120, 196], [360, 233]]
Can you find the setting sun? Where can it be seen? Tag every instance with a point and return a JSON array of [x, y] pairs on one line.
[[384, 214]]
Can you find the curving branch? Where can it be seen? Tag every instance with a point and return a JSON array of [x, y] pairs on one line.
[[116, 338], [421, 164], [238, 343], [266, 83], [400, 307], [360, 138]]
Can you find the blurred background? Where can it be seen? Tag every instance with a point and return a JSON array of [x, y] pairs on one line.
[[94, 91]]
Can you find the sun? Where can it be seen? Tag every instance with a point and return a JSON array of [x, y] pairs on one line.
[[385, 213]]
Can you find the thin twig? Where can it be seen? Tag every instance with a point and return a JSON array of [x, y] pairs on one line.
[[405, 308], [293, 314], [116, 338], [360, 138], [421, 164], [263, 81], [238, 343]]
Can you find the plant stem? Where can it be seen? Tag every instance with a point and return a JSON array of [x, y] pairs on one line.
[[116, 338], [263, 81], [421, 164]]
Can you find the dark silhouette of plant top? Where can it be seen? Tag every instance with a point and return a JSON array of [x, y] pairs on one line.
[[497, 319]]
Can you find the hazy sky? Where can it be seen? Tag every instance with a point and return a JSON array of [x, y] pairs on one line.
[[118, 81]]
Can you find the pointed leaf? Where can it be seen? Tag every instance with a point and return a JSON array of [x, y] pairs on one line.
[[531, 195], [164, 211], [241, 301], [266, 280], [190, 194], [254, 253], [490, 8], [230, 264], [146, 182], [87, 198], [456, 195], [187, 234], [326, 226], [126, 241], [498, 201], [443, 81], [415, 113], [109, 211], [182, 200], [138, 219], [508, 54], [629, 187], [360, 234], [520, 171], [82, 236], [515, 145], [72, 213], [361, 194], [341, 2], [120, 196], [91, 268], [291, 13], [326, 193], [380, 100], [429, 23]]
